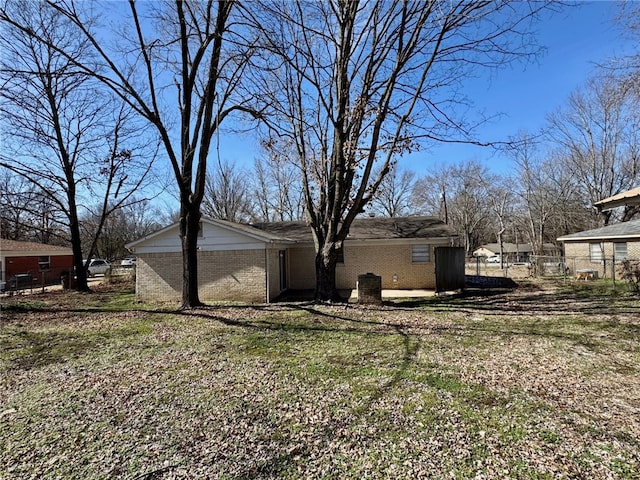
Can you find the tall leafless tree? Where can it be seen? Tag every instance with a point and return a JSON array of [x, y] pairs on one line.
[[277, 186], [353, 85], [227, 193], [178, 65], [393, 198], [62, 134], [599, 136], [544, 188], [459, 193], [125, 224], [28, 214]]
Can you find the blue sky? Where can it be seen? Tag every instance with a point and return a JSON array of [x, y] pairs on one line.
[[576, 40]]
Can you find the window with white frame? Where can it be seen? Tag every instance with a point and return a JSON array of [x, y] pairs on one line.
[[420, 254], [44, 263], [620, 251], [595, 252]]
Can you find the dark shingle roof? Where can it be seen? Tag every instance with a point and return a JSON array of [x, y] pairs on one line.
[[368, 228], [619, 230], [31, 247]]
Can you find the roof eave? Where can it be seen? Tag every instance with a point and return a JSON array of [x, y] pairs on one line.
[[599, 237]]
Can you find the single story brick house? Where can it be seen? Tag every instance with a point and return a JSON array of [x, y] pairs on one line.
[[592, 249], [44, 262], [257, 262]]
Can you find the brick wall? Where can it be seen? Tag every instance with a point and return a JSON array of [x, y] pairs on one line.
[[232, 275], [383, 260], [578, 256], [302, 268], [29, 264]]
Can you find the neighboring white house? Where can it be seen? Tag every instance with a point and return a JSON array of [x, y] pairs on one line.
[[513, 252], [257, 262]]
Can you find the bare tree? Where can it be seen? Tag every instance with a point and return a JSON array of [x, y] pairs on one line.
[[353, 85], [125, 224], [178, 65], [459, 194], [277, 186], [62, 134], [544, 189], [393, 198], [227, 193], [26, 213], [599, 135], [501, 200]]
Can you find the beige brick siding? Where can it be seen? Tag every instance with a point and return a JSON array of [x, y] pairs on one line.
[[159, 277], [232, 275], [578, 256], [302, 268], [239, 275], [383, 260]]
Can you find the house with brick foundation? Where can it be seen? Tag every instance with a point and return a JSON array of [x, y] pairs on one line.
[[45, 263], [593, 250], [258, 262]]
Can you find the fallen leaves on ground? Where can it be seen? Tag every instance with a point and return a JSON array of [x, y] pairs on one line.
[[534, 383]]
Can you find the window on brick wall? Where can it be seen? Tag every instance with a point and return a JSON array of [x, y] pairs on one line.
[[620, 251], [595, 252], [420, 254], [44, 263]]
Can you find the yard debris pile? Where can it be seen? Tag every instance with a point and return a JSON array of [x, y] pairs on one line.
[[530, 383]]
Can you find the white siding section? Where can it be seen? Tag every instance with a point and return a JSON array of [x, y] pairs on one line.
[[214, 238]]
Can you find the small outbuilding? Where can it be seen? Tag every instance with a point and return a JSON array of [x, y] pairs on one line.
[[258, 262], [45, 263]]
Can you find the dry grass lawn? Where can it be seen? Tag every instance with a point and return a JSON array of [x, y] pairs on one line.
[[542, 382]]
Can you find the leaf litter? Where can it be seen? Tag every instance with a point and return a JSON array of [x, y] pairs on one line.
[[517, 385]]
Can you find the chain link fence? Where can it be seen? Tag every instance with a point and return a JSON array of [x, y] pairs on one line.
[[565, 268]]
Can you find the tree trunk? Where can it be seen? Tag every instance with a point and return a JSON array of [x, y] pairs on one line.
[[78, 265], [326, 290], [76, 244], [189, 230]]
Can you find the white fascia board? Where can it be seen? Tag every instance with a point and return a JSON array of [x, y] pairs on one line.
[[600, 238], [132, 245], [135, 245]]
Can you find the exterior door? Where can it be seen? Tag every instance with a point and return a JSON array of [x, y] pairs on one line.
[[282, 261]]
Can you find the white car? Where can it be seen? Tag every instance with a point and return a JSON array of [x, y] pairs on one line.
[[97, 266], [128, 262], [493, 259]]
